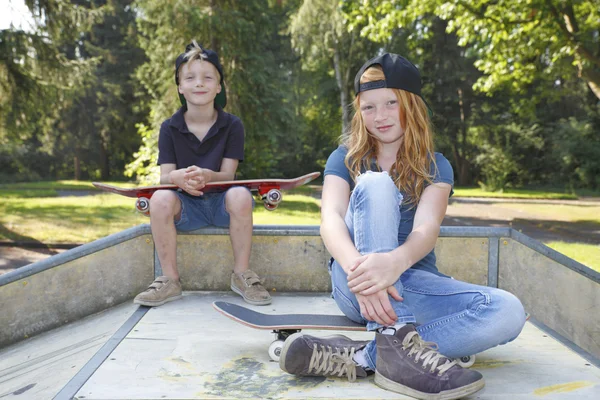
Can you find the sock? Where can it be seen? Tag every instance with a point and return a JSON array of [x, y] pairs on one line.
[[360, 359], [390, 330]]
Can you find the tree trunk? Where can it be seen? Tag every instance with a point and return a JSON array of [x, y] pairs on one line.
[[462, 165], [77, 167], [104, 157], [342, 88]]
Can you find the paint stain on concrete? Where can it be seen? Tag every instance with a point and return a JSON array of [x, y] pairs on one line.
[[562, 388], [489, 364], [246, 377], [24, 389]]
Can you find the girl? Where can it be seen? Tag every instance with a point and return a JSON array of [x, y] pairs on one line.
[[385, 195]]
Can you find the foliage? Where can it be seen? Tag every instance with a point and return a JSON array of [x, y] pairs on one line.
[[515, 41]]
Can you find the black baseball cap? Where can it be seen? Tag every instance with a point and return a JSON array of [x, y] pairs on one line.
[[399, 74], [210, 56]]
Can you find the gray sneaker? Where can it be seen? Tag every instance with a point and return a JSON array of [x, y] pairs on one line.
[[161, 291], [408, 365], [305, 355]]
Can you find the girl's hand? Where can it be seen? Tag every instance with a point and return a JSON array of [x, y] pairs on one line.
[[372, 273], [377, 307]]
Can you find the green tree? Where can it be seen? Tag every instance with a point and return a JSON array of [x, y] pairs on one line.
[[515, 40], [37, 78], [321, 36]]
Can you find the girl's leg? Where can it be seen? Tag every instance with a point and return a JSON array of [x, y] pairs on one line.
[[462, 318], [373, 219]]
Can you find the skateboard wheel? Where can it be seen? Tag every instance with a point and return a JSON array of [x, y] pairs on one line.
[[143, 205], [271, 207], [274, 197], [275, 350], [466, 361]]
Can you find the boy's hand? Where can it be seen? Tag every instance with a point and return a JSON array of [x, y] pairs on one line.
[[195, 178], [177, 177]]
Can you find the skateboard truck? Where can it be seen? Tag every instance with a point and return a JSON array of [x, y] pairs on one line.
[[270, 195], [142, 205]]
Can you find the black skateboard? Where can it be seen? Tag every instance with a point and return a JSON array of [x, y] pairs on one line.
[[284, 325]]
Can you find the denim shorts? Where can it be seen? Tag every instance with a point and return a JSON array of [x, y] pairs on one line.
[[200, 211]]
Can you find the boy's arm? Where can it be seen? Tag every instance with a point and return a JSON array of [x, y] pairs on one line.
[[165, 173]]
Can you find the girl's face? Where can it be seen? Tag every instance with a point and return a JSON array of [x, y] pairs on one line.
[[199, 82], [380, 112]]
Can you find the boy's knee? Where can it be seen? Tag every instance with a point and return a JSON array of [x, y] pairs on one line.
[[163, 202], [238, 201]]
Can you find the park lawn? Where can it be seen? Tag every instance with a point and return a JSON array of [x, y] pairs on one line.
[[81, 219], [587, 254], [58, 185], [559, 212], [71, 219], [513, 194]]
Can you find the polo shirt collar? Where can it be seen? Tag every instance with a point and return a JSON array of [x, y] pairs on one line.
[[178, 122]]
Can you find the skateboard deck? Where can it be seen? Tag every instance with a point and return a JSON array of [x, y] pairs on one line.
[[284, 325], [269, 190], [258, 320]]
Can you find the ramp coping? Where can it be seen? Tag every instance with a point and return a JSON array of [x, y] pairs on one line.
[[295, 230]]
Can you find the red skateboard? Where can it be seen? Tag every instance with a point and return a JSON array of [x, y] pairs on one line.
[[269, 190]]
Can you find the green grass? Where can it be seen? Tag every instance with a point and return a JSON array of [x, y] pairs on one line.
[[513, 194], [560, 212], [74, 219], [587, 254], [81, 219]]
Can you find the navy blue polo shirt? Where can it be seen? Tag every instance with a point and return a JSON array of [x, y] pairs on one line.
[[177, 145]]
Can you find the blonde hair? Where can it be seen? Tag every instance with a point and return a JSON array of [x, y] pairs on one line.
[[196, 53], [411, 170]]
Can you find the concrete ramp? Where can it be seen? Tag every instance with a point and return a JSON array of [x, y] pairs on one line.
[[186, 350], [68, 328]]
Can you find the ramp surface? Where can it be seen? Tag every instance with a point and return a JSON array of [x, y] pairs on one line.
[[187, 350]]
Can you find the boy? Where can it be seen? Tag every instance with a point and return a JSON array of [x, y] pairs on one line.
[[201, 143]]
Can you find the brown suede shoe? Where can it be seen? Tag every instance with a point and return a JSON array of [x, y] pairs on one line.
[[408, 365], [161, 291], [248, 285]]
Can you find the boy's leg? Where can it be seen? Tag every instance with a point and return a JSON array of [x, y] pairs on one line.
[[239, 205], [165, 206]]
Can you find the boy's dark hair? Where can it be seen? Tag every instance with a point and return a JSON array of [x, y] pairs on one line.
[[194, 51]]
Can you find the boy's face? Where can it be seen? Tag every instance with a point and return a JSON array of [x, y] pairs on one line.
[[199, 82]]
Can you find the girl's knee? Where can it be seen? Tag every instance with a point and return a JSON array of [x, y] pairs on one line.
[[238, 201], [510, 313], [378, 187]]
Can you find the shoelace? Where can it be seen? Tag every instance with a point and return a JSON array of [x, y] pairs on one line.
[[329, 362], [427, 353]]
